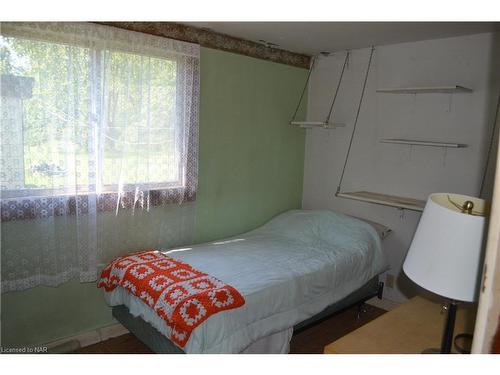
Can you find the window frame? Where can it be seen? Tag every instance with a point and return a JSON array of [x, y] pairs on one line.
[[28, 199]]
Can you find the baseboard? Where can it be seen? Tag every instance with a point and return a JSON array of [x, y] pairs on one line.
[[385, 304], [81, 340]]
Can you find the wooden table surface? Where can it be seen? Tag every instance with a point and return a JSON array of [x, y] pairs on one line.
[[410, 328]]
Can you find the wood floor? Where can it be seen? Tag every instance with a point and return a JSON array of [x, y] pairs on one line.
[[308, 341], [313, 340]]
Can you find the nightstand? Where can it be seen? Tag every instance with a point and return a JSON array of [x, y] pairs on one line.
[[410, 328]]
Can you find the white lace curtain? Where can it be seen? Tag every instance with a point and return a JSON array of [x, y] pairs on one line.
[[98, 124]]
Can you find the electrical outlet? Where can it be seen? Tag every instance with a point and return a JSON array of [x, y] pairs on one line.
[[389, 280]]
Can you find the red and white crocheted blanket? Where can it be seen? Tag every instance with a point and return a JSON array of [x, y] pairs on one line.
[[181, 295]]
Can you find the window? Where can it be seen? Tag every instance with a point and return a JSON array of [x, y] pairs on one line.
[[88, 109]]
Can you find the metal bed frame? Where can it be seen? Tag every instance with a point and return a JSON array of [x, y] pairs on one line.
[[158, 343]]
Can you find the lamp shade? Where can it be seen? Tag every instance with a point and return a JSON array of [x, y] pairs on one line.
[[444, 256]]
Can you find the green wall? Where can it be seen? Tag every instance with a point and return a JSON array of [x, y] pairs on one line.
[[250, 169], [251, 161]]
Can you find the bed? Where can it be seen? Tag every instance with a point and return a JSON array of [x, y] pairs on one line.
[[299, 267]]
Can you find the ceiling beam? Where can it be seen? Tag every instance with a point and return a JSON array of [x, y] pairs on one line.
[[211, 39]]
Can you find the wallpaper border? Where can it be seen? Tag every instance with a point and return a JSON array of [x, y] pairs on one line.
[[211, 39]]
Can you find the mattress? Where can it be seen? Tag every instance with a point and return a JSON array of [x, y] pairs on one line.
[[287, 270]]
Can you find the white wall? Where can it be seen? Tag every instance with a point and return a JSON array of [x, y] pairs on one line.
[[411, 171]]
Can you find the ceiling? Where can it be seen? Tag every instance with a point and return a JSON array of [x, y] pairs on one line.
[[312, 38]]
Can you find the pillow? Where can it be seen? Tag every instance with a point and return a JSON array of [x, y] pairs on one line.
[[382, 230], [325, 223]]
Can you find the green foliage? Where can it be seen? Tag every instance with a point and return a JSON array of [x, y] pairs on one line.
[[130, 99]]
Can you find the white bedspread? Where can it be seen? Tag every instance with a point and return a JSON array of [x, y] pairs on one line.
[[287, 270]]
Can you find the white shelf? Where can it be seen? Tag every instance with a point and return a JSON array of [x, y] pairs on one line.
[[426, 90], [316, 124], [422, 143], [384, 199]]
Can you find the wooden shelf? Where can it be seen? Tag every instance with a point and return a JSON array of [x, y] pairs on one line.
[[316, 124], [426, 90], [422, 143], [384, 199]]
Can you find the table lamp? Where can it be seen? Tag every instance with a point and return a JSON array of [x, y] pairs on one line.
[[445, 254]]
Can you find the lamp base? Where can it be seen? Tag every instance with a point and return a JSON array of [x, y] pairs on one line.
[[447, 341]]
